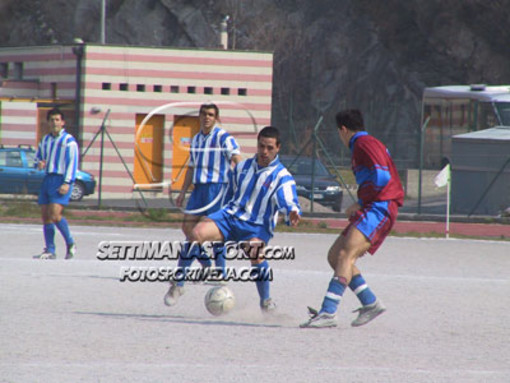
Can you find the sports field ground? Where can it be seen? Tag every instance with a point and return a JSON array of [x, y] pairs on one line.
[[74, 321]]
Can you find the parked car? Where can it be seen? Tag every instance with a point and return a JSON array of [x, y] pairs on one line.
[[326, 191], [19, 176]]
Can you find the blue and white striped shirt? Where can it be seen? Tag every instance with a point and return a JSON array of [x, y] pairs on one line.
[[210, 156], [60, 154], [258, 194]]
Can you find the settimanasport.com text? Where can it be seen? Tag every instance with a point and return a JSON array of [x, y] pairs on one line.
[[172, 250]]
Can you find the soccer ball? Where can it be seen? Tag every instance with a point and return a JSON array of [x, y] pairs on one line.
[[219, 300]]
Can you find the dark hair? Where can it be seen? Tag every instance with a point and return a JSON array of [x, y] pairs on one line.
[[210, 106], [352, 119], [54, 112], [270, 132]]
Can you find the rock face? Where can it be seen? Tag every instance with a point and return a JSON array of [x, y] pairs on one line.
[[329, 54]]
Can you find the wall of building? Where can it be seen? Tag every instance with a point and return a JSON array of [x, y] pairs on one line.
[[18, 122], [481, 172], [131, 81], [31, 79]]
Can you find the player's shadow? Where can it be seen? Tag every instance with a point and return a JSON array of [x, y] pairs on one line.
[[180, 319]]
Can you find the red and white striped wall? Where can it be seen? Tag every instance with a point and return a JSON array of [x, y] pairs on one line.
[[18, 121], [131, 81]]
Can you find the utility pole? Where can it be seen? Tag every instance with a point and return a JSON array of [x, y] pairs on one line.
[[103, 22]]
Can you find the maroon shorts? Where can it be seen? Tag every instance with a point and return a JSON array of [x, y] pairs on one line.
[[375, 221]]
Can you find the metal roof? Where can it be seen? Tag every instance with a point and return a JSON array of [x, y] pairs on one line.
[[500, 133], [499, 93]]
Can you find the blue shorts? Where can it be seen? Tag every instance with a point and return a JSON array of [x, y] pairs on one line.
[[375, 222], [234, 229], [202, 195], [49, 190]]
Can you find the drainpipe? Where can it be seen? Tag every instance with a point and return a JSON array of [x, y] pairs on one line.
[[224, 32], [78, 51]]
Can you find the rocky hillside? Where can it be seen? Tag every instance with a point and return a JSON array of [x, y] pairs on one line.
[[329, 54]]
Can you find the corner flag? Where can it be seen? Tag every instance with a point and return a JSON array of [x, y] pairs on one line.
[[443, 177]]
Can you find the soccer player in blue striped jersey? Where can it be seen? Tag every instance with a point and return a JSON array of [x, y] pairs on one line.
[[57, 155], [213, 151], [261, 187]]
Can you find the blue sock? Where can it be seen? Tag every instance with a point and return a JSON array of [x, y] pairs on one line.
[[262, 271], [220, 260], [203, 257], [49, 237], [333, 296], [63, 227], [188, 253], [361, 289]]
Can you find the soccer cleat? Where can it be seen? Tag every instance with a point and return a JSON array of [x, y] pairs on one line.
[[268, 306], [319, 319], [71, 251], [173, 294], [45, 255], [368, 312]]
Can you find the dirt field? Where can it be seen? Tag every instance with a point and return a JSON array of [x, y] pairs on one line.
[[73, 321]]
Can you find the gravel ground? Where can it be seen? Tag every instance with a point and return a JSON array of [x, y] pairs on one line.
[[73, 321]]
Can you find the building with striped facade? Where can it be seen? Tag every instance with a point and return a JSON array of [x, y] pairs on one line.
[[123, 87]]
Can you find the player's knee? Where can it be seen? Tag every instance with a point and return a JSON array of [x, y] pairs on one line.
[[55, 217], [196, 233], [334, 255], [341, 257], [45, 218]]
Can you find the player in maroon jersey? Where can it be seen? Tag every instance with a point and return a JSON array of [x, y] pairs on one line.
[[371, 218]]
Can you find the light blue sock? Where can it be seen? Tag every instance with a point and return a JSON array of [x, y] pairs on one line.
[[203, 258], [220, 260], [262, 272], [333, 296], [188, 253], [63, 227], [361, 289], [49, 237]]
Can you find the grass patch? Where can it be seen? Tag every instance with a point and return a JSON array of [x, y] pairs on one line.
[[22, 209], [322, 225], [154, 215]]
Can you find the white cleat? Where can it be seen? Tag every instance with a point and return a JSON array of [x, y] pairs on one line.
[[45, 255], [173, 294], [368, 313], [319, 320], [71, 251], [268, 306]]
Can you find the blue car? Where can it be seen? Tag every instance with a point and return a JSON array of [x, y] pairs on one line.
[[18, 175]]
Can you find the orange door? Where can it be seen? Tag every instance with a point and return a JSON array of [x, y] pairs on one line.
[[149, 150], [42, 124], [185, 127]]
